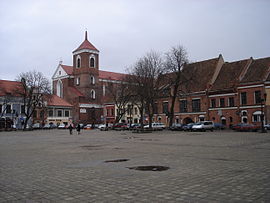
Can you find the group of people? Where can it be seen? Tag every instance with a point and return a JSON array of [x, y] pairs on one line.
[[78, 128]]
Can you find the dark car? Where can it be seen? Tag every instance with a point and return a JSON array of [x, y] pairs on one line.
[[176, 126], [120, 126], [188, 127], [219, 126], [245, 127]]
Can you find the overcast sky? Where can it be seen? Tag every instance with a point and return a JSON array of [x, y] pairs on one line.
[[36, 34]]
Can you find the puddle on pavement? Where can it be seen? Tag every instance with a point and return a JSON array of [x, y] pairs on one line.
[[116, 160], [149, 168]]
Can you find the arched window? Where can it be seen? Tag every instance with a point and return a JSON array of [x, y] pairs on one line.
[[92, 80], [93, 94], [78, 61], [92, 61], [59, 88]]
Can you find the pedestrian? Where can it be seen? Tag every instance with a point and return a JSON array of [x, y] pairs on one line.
[[78, 128], [70, 129]]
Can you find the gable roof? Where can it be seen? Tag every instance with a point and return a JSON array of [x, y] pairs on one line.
[[68, 69], [198, 75], [54, 100], [258, 71], [12, 88], [111, 75], [229, 75]]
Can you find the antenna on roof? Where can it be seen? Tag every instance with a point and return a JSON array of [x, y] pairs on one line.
[[85, 33]]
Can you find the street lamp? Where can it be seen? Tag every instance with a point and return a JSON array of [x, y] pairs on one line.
[[263, 101]]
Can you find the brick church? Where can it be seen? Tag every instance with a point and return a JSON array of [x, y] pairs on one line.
[[84, 85]]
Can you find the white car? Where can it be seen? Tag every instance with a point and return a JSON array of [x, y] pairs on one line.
[[203, 126], [156, 126], [104, 127]]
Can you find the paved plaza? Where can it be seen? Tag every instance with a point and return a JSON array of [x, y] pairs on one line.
[[53, 166]]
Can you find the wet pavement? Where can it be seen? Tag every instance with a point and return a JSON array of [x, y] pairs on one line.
[[53, 166]]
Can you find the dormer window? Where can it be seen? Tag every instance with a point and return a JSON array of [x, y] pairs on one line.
[[92, 61], [93, 94], [78, 61], [92, 80]]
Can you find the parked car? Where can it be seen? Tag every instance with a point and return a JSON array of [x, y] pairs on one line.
[[267, 126], [62, 126], [37, 126], [203, 126], [88, 127], [219, 126], [188, 127], [47, 126], [53, 126], [105, 126], [134, 126], [156, 126], [120, 126], [176, 126], [246, 127]]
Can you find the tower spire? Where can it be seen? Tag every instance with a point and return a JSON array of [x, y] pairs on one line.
[[86, 35]]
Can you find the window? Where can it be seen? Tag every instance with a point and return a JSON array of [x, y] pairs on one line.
[[92, 62], [41, 114], [258, 98], [35, 114], [213, 103], [92, 80], [66, 113], [136, 110], [8, 108], [22, 109], [50, 113], [155, 108], [231, 101], [93, 94], [222, 102], [243, 98], [231, 119], [256, 118], [77, 81], [59, 72], [59, 113], [112, 112], [183, 106], [78, 61], [165, 107], [1, 108], [59, 88], [196, 105]]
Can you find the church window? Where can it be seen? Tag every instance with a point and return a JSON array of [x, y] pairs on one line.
[[92, 61], [59, 88], [78, 61], [78, 81], [93, 94], [92, 80]]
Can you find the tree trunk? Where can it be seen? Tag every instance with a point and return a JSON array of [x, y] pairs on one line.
[[173, 98]]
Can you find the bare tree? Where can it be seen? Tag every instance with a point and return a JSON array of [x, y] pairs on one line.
[[35, 86], [147, 74], [122, 96], [176, 58]]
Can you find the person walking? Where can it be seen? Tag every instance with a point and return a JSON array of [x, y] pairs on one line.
[[70, 129], [78, 128]]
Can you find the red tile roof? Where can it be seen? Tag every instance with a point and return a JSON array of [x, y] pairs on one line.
[[68, 69], [54, 100], [86, 45], [229, 74], [111, 75], [13, 88], [257, 71], [198, 75], [75, 91]]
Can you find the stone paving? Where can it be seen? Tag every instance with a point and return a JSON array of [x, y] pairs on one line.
[[53, 166]]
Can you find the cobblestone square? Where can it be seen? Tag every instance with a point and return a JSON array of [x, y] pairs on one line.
[[53, 166]]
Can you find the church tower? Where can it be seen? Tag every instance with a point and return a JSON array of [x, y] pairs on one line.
[[86, 70]]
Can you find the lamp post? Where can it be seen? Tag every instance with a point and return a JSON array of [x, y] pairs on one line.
[[263, 102]]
